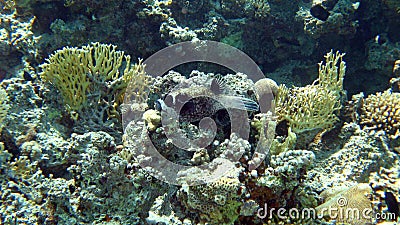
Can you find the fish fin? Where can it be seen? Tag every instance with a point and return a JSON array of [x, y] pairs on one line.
[[219, 85]]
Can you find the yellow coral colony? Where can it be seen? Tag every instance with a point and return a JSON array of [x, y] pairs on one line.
[[73, 70], [330, 76], [314, 106], [137, 88]]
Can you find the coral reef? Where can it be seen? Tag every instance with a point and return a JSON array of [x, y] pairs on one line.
[[18, 45], [382, 53], [222, 201], [324, 17], [352, 159], [64, 160], [277, 34], [90, 178], [384, 180]]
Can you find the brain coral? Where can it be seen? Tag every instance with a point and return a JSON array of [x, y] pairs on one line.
[[350, 206], [381, 111]]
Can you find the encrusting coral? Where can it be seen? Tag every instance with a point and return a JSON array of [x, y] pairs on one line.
[[217, 201], [153, 119]]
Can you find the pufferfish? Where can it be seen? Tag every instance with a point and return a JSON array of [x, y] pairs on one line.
[[214, 99]]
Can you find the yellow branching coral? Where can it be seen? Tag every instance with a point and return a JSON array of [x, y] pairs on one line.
[[331, 74], [307, 108], [313, 106], [80, 73], [137, 90], [66, 69], [381, 111]]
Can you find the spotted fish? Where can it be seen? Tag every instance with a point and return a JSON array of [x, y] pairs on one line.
[[214, 100]]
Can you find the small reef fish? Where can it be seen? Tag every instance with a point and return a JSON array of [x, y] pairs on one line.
[[213, 100]]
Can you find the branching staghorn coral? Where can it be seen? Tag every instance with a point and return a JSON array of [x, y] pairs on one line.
[[314, 106]]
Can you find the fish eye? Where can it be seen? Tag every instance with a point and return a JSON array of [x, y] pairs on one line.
[[188, 107], [222, 117]]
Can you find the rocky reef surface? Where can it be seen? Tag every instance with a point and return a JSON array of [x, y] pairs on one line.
[[68, 157]]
